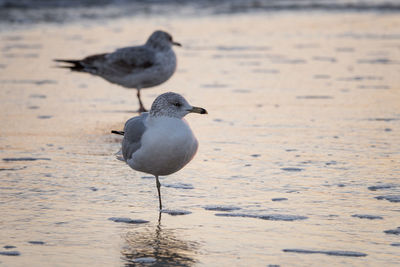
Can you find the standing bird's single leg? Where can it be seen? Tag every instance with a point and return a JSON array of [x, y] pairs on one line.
[[142, 108], [159, 192]]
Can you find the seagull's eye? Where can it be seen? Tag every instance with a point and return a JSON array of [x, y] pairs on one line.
[[177, 104]]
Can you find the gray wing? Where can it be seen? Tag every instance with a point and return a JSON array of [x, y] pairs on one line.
[[123, 61], [129, 60], [133, 132]]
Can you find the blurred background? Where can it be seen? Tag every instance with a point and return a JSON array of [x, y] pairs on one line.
[[35, 11], [298, 161]]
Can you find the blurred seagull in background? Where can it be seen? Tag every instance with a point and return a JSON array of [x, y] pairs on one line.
[[160, 142], [136, 67]]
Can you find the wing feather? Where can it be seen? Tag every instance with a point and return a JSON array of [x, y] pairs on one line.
[[133, 132]]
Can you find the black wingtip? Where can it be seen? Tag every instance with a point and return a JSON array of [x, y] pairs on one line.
[[118, 132]]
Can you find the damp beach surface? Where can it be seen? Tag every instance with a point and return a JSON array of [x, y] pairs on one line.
[[298, 162]]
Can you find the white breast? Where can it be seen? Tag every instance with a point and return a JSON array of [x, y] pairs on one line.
[[167, 146]]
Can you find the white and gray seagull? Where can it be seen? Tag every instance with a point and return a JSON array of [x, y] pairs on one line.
[[160, 142], [136, 67]]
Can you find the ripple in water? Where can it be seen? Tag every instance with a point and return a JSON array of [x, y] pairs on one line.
[[179, 186], [270, 217], [292, 169], [36, 242], [379, 187], [328, 252], [24, 159], [366, 216], [393, 231], [127, 220], [10, 253], [221, 208], [176, 212], [391, 198], [279, 199]]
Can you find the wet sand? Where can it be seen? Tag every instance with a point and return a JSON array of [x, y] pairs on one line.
[[298, 163]]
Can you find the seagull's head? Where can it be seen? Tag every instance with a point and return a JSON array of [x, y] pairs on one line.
[[161, 40], [173, 105]]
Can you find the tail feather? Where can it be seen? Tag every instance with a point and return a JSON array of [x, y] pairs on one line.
[[118, 132]]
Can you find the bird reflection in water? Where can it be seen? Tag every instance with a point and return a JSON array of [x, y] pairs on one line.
[[158, 247]]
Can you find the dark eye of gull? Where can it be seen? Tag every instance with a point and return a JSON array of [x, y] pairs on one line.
[[177, 104]]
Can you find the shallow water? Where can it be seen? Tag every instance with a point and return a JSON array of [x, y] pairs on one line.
[[299, 152]]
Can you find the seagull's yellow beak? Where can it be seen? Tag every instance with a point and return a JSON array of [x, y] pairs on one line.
[[198, 110]]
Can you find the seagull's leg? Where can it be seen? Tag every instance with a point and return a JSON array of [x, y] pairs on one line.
[[141, 108], [159, 192]]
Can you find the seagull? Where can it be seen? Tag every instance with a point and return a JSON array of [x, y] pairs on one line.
[[160, 142], [137, 67]]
